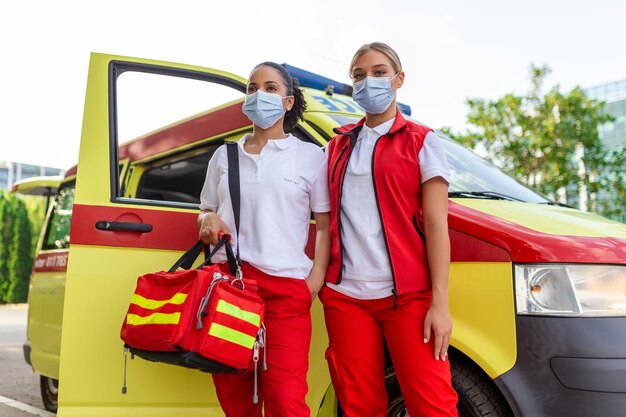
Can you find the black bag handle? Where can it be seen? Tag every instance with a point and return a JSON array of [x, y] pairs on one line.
[[187, 259], [230, 256], [233, 187]]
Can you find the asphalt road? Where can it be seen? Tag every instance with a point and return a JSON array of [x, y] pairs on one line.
[[19, 385]]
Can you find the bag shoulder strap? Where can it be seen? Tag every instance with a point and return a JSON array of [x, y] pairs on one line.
[[232, 149]]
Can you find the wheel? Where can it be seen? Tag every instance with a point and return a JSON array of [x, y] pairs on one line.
[[478, 397], [395, 401], [49, 393]]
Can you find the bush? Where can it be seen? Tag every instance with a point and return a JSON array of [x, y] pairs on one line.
[[16, 249]]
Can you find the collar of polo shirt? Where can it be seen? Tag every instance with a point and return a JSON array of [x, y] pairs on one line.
[[279, 143], [379, 130]]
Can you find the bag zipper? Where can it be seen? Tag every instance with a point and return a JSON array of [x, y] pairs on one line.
[[259, 343]]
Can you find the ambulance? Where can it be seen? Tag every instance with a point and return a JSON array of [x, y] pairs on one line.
[[47, 284], [537, 290]]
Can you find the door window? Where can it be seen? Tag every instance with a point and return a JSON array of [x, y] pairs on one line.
[[167, 123]]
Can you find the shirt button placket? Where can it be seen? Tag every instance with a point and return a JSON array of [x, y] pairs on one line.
[[253, 176]]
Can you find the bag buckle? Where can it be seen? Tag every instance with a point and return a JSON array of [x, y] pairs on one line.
[[238, 281]]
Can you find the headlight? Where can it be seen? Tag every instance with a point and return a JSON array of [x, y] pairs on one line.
[[571, 290]]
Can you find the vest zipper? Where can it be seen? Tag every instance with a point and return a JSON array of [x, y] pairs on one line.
[[394, 291], [353, 138], [337, 162]]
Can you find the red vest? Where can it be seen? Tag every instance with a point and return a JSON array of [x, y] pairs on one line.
[[397, 185]]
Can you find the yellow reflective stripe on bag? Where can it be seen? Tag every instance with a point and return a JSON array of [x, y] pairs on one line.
[[232, 335], [237, 312], [149, 304], [155, 318]]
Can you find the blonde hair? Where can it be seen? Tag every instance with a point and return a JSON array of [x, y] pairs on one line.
[[380, 47]]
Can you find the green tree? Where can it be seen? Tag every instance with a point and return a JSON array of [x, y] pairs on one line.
[[7, 214], [548, 140], [20, 260], [614, 185], [6, 225]]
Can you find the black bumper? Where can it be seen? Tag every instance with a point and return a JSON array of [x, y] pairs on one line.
[[26, 349], [573, 367]]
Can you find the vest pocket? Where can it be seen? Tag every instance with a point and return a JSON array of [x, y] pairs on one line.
[[418, 230]]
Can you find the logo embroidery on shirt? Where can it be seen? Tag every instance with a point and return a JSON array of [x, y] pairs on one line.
[[291, 181]]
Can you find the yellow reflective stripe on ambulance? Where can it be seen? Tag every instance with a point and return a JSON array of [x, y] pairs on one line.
[[232, 335], [155, 318], [146, 303], [237, 312]]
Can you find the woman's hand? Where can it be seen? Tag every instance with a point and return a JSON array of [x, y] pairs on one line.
[[210, 225], [317, 276], [438, 324], [315, 282]]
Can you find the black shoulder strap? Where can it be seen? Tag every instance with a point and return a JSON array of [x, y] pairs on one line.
[[233, 186]]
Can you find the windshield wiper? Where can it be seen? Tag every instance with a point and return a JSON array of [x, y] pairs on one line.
[[554, 203], [487, 195]]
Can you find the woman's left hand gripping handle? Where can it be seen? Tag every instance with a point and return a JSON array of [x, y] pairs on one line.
[[212, 228]]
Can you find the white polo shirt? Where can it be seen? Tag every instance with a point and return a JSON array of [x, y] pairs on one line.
[[366, 273], [279, 189]]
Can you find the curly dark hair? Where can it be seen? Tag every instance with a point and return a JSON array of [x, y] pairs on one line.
[[293, 88]]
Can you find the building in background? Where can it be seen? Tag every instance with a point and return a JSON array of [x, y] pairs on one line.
[[11, 172], [612, 134]]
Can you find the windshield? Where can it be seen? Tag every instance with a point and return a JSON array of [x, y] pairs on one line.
[[473, 177]]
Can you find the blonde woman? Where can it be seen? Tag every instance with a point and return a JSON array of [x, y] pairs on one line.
[[387, 281]]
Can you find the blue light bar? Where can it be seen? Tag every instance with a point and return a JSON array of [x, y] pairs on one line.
[[311, 80]]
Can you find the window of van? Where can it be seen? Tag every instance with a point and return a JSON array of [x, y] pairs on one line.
[[179, 179], [167, 125], [57, 235]]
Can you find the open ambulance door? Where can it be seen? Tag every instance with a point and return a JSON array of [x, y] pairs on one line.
[[142, 111]]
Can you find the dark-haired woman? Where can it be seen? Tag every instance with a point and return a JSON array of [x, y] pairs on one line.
[[387, 281], [282, 180]]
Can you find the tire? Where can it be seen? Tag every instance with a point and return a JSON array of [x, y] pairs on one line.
[[49, 393], [478, 396]]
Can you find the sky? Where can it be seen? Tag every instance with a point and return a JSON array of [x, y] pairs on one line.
[[451, 50]]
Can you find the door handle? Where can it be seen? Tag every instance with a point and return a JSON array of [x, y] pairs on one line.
[[109, 226]]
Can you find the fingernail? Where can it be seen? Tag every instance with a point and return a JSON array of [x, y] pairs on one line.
[[444, 358], [425, 340], [436, 358]]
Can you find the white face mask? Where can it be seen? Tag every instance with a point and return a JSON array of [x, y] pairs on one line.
[[374, 94], [263, 109]]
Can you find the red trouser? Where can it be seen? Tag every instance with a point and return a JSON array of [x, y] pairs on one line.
[[357, 330], [282, 387]]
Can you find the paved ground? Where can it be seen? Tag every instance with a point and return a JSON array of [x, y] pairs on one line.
[[19, 385]]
